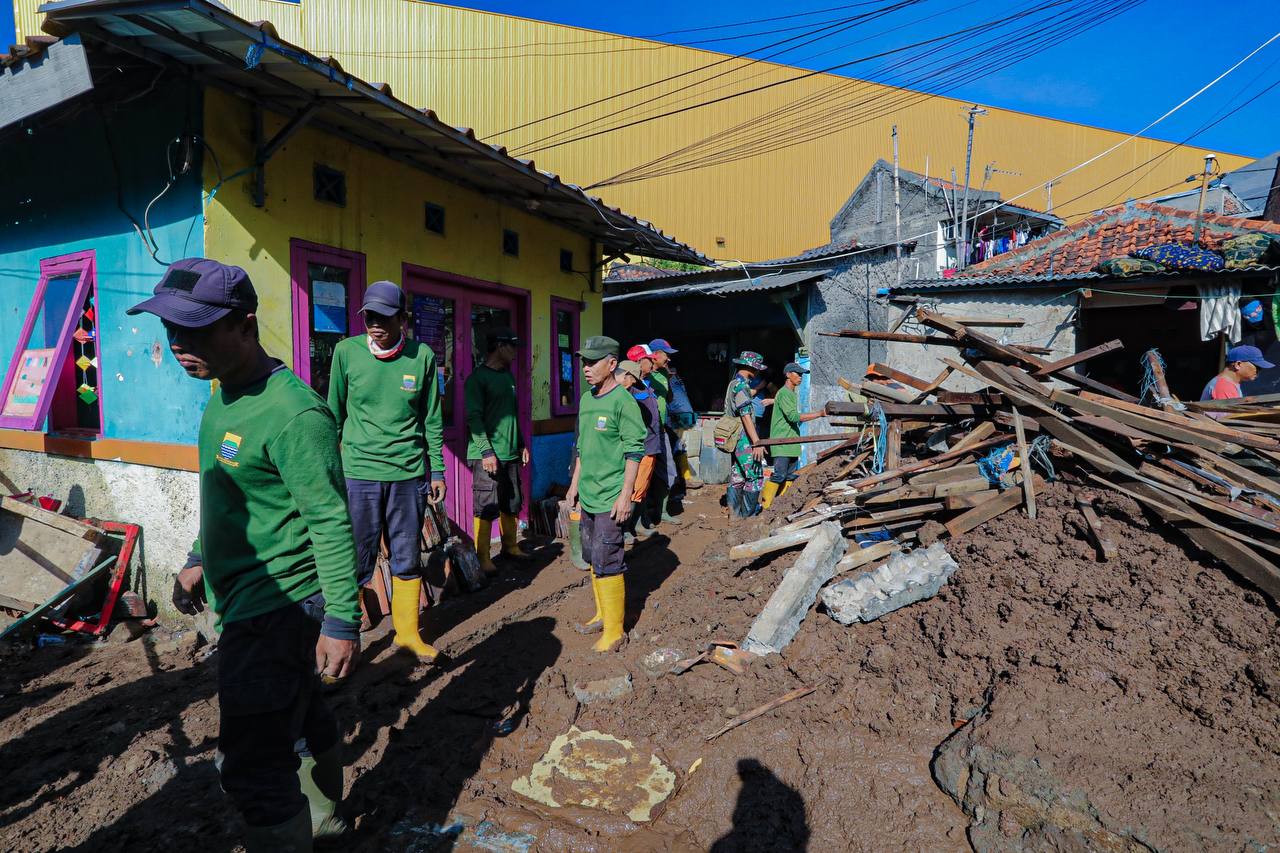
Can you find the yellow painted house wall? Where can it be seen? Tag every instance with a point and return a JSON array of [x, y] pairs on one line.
[[769, 206], [384, 219]]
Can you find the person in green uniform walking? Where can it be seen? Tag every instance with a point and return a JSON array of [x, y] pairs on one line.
[[385, 398], [495, 449], [746, 477], [610, 446], [274, 558], [785, 423]]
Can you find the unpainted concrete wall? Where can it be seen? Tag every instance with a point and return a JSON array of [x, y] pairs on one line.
[[164, 502]]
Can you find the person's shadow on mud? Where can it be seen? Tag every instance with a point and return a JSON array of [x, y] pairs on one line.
[[769, 815], [429, 762]]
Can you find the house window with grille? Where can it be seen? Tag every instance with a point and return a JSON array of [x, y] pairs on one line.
[[566, 260], [435, 219], [330, 185], [53, 370], [510, 243]]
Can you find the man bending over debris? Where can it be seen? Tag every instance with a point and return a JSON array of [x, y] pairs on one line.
[[386, 400], [278, 559], [785, 423], [610, 447]]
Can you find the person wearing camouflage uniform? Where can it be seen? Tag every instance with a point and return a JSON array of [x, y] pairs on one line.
[[746, 477]]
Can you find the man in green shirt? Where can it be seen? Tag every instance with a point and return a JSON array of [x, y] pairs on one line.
[[386, 401], [785, 423], [495, 449], [610, 446], [274, 558]]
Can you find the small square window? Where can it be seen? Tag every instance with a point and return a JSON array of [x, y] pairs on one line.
[[330, 185], [435, 218], [566, 260], [510, 243]]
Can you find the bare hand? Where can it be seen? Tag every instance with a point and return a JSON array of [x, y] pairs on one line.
[[524, 457], [489, 464], [438, 491], [571, 496], [336, 658], [621, 508], [768, 401], [188, 590], [757, 453]]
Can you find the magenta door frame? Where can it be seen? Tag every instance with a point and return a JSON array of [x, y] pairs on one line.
[[575, 310], [302, 253], [83, 263], [465, 292]]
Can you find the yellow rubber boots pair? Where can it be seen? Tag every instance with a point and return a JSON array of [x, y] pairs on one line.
[[406, 596]]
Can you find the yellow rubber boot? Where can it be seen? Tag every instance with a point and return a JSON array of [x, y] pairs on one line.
[[768, 494], [786, 486], [483, 538], [406, 593], [686, 471], [510, 526], [596, 623], [613, 605]]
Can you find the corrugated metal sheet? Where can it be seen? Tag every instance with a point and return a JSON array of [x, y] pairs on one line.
[[765, 207], [774, 281]]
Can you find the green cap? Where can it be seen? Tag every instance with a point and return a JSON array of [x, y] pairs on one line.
[[598, 347]]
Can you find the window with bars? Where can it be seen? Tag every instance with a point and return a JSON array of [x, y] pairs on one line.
[[510, 243], [53, 371], [566, 260], [565, 332], [330, 185], [435, 218]]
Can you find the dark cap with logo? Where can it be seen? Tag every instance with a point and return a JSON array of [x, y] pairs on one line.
[[794, 367], [598, 347], [197, 292], [503, 335], [383, 297]]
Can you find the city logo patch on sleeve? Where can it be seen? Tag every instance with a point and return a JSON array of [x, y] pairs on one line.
[[602, 423], [229, 449], [408, 382]]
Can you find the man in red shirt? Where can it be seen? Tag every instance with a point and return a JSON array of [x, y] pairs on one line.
[[1243, 364]]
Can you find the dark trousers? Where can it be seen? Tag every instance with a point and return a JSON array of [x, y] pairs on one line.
[[271, 709], [602, 544], [396, 508], [784, 469], [492, 494]]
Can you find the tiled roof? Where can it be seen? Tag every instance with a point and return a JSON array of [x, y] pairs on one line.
[[1113, 233], [637, 272]]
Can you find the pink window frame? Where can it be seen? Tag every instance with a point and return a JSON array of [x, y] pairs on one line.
[[575, 341], [82, 263], [302, 253]]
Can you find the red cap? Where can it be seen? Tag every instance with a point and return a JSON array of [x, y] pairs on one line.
[[638, 352]]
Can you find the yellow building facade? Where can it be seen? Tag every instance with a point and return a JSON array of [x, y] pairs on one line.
[[444, 58]]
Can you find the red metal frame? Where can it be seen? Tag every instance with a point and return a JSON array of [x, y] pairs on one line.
[[301, 253], [96, 627], [575, 310], [77, 262]]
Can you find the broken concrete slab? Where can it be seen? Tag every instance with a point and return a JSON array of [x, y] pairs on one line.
[[904, 579], [598, 771], [603, 689], [780, 619]]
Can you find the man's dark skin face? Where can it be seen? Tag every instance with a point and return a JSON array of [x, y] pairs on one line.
[[383, 330], [226, 350]]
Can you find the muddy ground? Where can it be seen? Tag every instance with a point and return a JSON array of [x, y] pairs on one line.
[[1043, 700]]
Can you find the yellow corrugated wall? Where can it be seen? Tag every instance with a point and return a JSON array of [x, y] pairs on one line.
[[773, 205]]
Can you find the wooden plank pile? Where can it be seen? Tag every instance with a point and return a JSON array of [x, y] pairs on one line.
[[1211, 470]]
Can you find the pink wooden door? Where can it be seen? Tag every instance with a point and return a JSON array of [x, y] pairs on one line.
[[328, 287], [453, 315]]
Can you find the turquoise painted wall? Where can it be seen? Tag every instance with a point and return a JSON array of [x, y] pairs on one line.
[[58, 194]]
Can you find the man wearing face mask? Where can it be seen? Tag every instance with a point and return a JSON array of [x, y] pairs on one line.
[[274, 558], [385, 397]]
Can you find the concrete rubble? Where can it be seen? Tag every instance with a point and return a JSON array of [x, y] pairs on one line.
[[904, 579], [780, 619]]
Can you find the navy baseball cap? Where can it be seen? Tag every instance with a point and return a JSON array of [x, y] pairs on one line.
[[383, 297], [1253, 355], [793, 367], [661, 345], [197, 292]]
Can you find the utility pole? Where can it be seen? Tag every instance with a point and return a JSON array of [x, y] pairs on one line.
[[973, 111], [1048, 188], [1210, 164], [897, 210], [955, 217]]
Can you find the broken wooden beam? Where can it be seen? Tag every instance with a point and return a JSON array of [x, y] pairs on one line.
[[771, 544], [984, 512], [808, 439], [836, 408], [938, 340], [1070, 361], [1106, 548], [1024, 460]]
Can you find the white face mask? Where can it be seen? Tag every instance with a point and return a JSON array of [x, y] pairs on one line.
[[379, 352]]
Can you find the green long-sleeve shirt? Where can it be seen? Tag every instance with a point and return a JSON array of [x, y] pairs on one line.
[[610, 431], [388, 411], [660, 384], [274, 528], [493, 424], [785, 422]]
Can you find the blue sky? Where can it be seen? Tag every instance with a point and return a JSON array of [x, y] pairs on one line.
[[1120, 75]]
